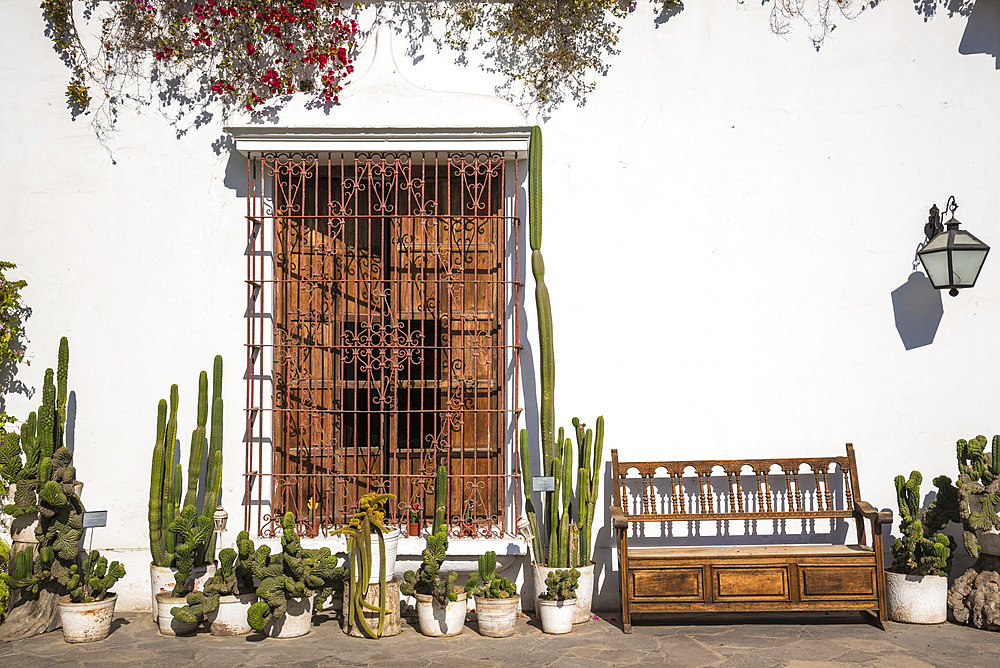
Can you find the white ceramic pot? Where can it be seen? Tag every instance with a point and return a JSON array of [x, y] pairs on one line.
[[86, 622], [557, 616], [916, 599], [231, 617], [161, 579], [169, 625], [497, 616], [296, 622], [391, 546], [438, 620], [584, 589]]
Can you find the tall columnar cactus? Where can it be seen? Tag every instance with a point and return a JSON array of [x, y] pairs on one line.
[[168, 495], [440, 497], [294, 573], [46, 483], [567, 530]]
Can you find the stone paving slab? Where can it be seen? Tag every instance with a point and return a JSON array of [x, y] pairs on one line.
[[702, 641]]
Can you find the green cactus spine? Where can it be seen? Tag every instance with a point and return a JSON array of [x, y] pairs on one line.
[[440, 497]]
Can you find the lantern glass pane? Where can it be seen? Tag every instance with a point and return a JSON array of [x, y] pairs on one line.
[[936, 266], [965, 266]]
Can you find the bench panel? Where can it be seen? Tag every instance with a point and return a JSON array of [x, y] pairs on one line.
[[836, 582], [749, 583], [668, 583]]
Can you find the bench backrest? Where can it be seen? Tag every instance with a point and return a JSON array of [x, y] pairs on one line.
[[757, 488]]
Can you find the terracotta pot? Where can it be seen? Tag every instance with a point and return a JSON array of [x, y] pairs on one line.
[[86, 622], [916, 599], [413, 529], [438, 620], [231, 617], [169, 625], [296, 622], [557, 616], [584, 589], [497, 616]]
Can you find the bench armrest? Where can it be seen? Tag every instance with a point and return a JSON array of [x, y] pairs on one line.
[[868, 511], [618, 518]]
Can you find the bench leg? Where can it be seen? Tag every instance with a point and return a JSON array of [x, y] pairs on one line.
[[627, 628]]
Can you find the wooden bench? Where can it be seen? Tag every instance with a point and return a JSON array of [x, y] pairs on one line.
[[726, 573]]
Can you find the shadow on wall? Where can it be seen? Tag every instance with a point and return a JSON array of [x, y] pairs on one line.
[[982, 32], [917, 307]]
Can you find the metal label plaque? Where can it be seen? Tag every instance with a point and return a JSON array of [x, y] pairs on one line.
[[543, 483], [96, 518]]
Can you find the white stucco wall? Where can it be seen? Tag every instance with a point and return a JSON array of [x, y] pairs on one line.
[[725, 221]]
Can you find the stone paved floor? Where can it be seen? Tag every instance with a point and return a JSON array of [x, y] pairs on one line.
[[755, 641]]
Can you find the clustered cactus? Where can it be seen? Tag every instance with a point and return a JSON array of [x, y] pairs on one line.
[[293, 573], [978, 481], [487, 583], [179, 535], [561, 585], [427, 579], [93, 580], [569, 528], [234, 577], [924, 549], [46, 482], [367, 521]]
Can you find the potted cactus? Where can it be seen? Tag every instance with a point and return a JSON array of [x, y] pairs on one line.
[[87, 611], [181, 540], [560, 535], [290, 583], [496, 598], [228, 595], [441, 608], [917, 582], [366, 566], [557, 605]]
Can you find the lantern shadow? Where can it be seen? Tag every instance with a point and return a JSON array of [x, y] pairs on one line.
[[917, 307]]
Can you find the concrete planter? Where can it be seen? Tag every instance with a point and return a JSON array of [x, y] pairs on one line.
[[438, 620], [584, 589], [916, 599], [231, 617], [168, 624], [557, 616], [296, 622], [86, 622], [161, 579], [497, 616]]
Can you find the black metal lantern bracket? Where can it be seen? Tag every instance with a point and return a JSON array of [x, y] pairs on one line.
[[974, 251]]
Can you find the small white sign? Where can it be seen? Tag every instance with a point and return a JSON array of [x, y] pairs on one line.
[[96, 518], [543, 483]]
